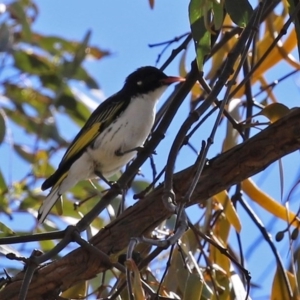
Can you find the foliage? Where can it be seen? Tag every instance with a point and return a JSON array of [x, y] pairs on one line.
[[235, 46]]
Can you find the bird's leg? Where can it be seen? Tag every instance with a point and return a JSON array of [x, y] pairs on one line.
[[112, 184], [138, 149]]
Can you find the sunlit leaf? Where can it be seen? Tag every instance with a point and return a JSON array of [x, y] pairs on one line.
[[229, 210], [5, 229], [201, 35], [268, 203], [6, 249], [77, 291], [280, 290], [274, 111]]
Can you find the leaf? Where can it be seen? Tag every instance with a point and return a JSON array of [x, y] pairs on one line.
[[6, 249], [193, 287], [2, 125], [59, 46], [82, 75], [25, 153], [218, 14], [138, 291], [32, 63], [268, 203], [17, 12], [46, 128], [201, 35], [239, 11], [229, 210], [279, 287], [274, 111], [5, 229], [75, 109], [70, 68], [239, 289], [29, 96], [77, 291], [3, 186]]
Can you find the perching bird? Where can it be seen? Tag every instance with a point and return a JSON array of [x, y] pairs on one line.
[[111, 136]]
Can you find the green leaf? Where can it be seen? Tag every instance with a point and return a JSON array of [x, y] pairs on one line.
[[59, 46], [3, 186], [218, 14], [17, 11], [45, 129], [2, 125], [32, 63], [5, 229], [81, 74], [75, 109], [70, 68], [239, 11], [201, 35], [25, 153], [29, 96]]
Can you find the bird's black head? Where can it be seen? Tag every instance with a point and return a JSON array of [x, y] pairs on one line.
[[147, 79]]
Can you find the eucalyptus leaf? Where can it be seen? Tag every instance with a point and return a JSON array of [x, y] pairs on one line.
[[239, 11], [201, 36]]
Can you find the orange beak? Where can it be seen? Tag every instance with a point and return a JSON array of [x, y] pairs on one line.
[[172, 79]]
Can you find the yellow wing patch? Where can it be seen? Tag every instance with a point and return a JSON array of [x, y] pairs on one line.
[[85, 138], [60, 180]]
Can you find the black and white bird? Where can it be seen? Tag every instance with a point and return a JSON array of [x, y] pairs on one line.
[[111, 135]]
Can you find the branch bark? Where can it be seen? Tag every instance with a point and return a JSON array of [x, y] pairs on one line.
[[225, 170]]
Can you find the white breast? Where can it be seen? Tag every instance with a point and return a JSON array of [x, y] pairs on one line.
[[129, 131]]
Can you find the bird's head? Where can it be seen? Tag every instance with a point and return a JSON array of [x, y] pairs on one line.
[[149, 79]]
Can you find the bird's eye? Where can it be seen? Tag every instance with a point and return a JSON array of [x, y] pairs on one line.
[[139, 83]]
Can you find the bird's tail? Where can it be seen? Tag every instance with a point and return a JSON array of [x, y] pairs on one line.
[[48, 203]]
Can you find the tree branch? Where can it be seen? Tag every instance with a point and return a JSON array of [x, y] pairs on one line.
[[225, 170]]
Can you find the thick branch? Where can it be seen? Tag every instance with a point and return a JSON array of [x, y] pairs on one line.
[[227, 169]]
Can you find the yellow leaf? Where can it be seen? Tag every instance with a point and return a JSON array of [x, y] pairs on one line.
[[136, 282], [274, 111], [268, 203], [220, 235], [79, 290], [229, 209], [279, 287], [182, 68]]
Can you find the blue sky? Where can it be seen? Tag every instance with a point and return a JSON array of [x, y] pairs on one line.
[[125, 28]]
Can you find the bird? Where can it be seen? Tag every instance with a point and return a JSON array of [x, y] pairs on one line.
[[111, 136]]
